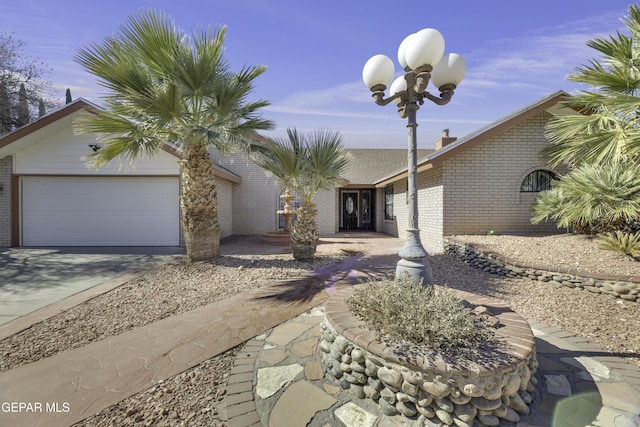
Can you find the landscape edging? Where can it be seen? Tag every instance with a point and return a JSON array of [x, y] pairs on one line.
[[484, 258]]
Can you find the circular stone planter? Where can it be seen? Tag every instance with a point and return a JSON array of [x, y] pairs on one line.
[[405, 382]]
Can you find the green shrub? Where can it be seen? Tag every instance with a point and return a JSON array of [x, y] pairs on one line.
[[593, 199], [406, 312], [624, 243]]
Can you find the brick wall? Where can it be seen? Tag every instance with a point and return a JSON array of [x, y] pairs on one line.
[[327, 213], [430, 208], [6, 169], [255, 201], [482, 182], [379, 213], [225, 207], [397, 226]]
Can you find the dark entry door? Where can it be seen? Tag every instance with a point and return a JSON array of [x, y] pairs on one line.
[[350, 210]]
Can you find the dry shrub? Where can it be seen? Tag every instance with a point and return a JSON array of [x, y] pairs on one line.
[[403, 311]]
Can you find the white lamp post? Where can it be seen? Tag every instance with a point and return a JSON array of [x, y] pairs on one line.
[[422, 58]]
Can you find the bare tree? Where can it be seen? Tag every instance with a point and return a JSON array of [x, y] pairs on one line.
[[20, 70]]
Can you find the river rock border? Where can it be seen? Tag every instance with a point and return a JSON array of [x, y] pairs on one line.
[[482, 257], [417, 386]]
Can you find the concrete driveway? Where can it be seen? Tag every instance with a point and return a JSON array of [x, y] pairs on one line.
[[31, 278]]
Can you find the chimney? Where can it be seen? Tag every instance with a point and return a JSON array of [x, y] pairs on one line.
[[445, 139]]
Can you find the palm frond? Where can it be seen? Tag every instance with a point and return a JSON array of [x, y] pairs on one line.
[[624, 243], [308, 163], [119, 137], [327, 160], [167, 85], [600, 137], [608, 130], [591, 195]]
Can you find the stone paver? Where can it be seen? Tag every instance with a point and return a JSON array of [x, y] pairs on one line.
[[270, 380], [564, 391], [558, 384], [352, 415], [307, 400]]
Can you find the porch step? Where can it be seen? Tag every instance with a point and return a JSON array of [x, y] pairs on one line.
[[277, 238]]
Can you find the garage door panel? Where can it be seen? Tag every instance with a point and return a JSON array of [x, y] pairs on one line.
[[92, 211]]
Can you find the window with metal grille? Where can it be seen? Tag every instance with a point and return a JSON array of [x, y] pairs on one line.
[[388, 202], [537, 181]]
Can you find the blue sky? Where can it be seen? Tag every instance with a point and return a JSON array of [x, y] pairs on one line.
[[516, 53]]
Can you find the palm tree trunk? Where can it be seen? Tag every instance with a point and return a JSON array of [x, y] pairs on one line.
[[304, 237], [199, 203]]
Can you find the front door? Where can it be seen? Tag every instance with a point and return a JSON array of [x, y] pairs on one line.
[[350, 210]]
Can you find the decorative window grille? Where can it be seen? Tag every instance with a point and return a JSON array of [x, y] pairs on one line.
[[388, 202], [537, 181]]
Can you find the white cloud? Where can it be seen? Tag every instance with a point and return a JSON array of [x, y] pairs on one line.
[[538, 59]]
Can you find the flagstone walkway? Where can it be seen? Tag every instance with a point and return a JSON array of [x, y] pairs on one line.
[[278, 381]]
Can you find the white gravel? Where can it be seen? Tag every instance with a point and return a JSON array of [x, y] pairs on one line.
[[196, 397], [576, 251]]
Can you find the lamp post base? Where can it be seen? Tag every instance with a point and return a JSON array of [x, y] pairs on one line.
[[419, 272], [414, 263]]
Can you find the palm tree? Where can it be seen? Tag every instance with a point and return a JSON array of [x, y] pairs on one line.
[[593, 199], [307, 164], [608, 130], [166, 87]]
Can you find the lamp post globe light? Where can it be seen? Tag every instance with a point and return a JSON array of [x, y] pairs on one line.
[[422, 58]]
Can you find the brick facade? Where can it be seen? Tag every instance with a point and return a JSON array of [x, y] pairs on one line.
[[431, 208], [255, 201], [477, 189], [225, 207], [468, 186], [483, 182]]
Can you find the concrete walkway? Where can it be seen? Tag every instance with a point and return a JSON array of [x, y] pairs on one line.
[[282, 319]]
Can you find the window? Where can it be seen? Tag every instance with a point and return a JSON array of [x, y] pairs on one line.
[[536, 181], [388, 202]]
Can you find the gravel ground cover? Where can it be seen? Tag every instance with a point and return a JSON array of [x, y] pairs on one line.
[[196, 396], [173, 288], [576, 251]]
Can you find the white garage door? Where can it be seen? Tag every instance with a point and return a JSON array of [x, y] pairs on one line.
[[99, 211]]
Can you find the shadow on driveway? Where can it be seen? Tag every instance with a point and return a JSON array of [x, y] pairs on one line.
[[31, 278]]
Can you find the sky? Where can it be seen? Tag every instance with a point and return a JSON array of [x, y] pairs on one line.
[[516, 53]]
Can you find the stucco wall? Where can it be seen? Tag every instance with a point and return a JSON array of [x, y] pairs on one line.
[[6, 166], [482, 182], [62, 152]]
